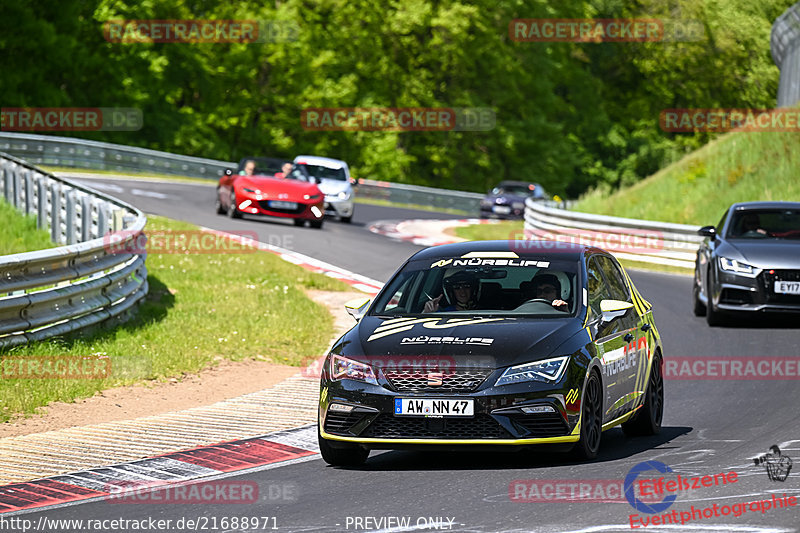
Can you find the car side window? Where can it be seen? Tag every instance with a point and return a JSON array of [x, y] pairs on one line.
[[616, 282], [597, 288]]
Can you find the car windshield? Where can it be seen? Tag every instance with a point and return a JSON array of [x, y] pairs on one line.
[[482, 286], [265, 166], [325, 173], [518, 190], [765, 224]]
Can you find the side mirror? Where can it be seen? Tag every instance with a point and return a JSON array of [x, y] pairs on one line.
[[612, 309], [356, 308], [708, 231]]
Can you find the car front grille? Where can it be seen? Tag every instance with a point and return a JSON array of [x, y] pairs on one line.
[[768, 284], [542, 425], [264, 204], [397, 427], [456, 380]]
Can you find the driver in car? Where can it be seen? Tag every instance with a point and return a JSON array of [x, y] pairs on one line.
[[547, 287], [462, 291]]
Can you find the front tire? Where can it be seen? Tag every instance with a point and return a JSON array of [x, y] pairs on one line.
[[591, 419], [699, 308], [350, 455], [347, 220], [648, 420], [233, 211], [316, 224], [714, 316], [218, 205]]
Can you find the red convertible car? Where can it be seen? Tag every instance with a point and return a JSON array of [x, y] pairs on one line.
[[253, 189]]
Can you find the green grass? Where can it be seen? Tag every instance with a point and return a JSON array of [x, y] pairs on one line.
[[200, 309], [19, 233], [513, 228], [737, 167]]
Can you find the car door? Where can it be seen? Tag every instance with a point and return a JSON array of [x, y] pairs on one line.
[[630, 376], [612, 340]]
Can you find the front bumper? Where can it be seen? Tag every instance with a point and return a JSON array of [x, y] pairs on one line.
[[337, 207], [304, 211], [492, 212], [497, 419], [746, 294]]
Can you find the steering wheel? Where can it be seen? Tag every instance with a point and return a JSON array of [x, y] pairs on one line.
[[542, 300]]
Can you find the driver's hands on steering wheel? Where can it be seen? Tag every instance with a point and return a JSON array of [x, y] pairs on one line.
[[561, 305]]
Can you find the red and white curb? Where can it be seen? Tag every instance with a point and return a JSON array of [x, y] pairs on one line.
[[423, 232], [357, 281], [276, 449]]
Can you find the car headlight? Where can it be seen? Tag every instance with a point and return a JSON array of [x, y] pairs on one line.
[[344, 195], [732, 265], [486, 203], [518, 205], [547, 371], [344, 368]]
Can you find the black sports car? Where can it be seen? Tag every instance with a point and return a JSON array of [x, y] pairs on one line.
[[507, 200], [494, 343], [749, 262]]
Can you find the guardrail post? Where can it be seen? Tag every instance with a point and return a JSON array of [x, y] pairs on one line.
[[55, 213], [70, 219], [17, 198], [102, 219], [7, 182], [86, 218], [28, 192], [41, 203]]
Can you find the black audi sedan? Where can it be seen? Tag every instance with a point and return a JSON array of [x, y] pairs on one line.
[[494, 343], [749, 262]]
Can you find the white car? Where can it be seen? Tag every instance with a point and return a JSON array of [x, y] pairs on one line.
[[333, 179]]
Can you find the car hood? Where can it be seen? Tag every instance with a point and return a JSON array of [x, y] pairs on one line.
[[509, 198], [768, 253], [332, 187], [496, 342]]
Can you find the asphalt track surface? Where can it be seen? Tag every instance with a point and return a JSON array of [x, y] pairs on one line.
[[709, 427]]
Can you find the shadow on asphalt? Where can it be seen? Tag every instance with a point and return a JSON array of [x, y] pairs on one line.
[[614, 446]]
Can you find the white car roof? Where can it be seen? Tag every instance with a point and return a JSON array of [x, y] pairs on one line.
[[321, 161]]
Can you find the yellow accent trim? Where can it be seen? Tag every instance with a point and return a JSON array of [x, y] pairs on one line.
[[514, 442], [356, 303], [618, 421], [323, 395]]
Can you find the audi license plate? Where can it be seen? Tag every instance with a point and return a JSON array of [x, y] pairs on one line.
[[279, 204], [431, 407], [787, 287]]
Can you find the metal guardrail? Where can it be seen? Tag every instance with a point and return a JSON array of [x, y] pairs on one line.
[[785, 47], [636, 240], [80, 284], [78, 153]]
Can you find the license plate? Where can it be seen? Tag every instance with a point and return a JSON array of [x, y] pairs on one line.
[[279, 204], [787, 287], [433, 407], [501, 209]]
